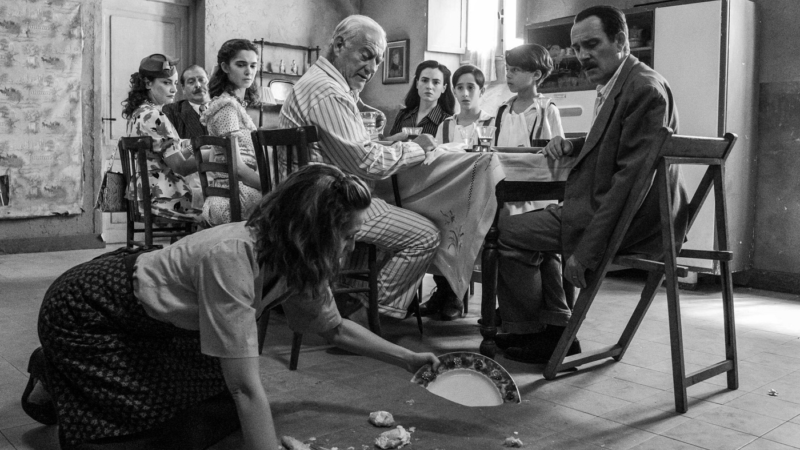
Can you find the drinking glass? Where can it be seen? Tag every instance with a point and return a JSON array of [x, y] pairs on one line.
[[466, 137], [485, 136], [369, 119]]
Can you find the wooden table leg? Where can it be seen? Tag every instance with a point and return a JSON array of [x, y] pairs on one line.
[[489, 287]]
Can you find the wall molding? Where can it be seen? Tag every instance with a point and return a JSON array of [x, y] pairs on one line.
[[773, 281], [51, 244]]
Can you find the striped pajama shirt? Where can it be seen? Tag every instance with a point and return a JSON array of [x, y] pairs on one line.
[[323, 98]]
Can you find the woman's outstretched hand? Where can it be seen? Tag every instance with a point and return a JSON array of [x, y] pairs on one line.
[[417, 360]]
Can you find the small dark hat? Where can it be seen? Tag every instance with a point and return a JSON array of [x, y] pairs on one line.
[[158, 66]]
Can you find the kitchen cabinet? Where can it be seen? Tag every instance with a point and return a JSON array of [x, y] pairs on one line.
[[706, 51]]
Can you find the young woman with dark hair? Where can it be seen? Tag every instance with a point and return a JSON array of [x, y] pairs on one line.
[[171, 161], [135, 344], [429, 101], [231, 89]]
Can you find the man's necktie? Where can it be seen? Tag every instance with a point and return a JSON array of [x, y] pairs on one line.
[[203, 108]]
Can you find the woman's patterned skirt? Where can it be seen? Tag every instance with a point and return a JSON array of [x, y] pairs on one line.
[[112, 370]]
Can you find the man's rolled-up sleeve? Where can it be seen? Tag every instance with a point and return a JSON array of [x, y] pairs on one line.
[[347, 144]]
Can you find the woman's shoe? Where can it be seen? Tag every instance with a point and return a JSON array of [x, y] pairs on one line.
[[45, 412]]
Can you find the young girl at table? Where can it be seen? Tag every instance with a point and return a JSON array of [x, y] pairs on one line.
[[468, 82], [525, 120], [429, 101], [231, 89]]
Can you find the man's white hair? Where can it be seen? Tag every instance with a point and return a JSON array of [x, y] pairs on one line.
[[352, 26]]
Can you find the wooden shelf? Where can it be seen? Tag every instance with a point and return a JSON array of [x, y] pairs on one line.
[[281, 75], [309, 50]]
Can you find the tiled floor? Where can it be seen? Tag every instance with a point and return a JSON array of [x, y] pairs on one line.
[[616, 405]]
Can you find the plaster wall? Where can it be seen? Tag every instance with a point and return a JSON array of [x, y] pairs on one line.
[[405, 19], [307, 23], [298, 22], [777, 236], [80, 230]]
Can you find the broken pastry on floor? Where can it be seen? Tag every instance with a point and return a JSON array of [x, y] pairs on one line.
[[396, 438], [381, 419]]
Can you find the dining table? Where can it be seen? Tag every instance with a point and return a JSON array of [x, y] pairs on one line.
[[462, 193]]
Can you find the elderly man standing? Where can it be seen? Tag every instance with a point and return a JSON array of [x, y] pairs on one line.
[[185, 114], [633, 103], [327, 96]]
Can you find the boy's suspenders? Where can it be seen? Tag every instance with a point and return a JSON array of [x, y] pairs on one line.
[[497, 122]]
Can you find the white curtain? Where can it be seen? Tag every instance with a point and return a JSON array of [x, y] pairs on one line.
[[482, 35]]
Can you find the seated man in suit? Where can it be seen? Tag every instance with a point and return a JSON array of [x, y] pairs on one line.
[[185, 114], [634, 102]]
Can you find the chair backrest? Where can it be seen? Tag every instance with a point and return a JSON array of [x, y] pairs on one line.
[[280, 89], [206, 169], [708, 151], [636, 197], [133, 155], [673, 149], [280, 151]]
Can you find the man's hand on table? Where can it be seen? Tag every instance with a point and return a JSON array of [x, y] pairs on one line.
[[575, 272], [426, 141], [558, 147]]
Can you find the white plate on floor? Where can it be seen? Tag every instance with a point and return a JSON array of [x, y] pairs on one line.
[[469, 379]]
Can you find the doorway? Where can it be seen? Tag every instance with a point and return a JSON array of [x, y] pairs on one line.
[[132, 30]]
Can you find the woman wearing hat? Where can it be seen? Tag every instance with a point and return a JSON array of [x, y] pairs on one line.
[[153, 86], [159, 350], [231, 89]]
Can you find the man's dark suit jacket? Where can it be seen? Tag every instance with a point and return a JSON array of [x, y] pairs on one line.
[[609, 159], [185, 120]]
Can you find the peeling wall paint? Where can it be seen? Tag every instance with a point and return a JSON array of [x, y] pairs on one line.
[[82, 230]]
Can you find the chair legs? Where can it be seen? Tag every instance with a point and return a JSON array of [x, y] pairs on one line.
[[681, 381], [297, 341], [415, 305], [372, 309], [261, 326]]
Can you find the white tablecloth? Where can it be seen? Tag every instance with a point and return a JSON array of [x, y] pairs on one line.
[[457, 193]]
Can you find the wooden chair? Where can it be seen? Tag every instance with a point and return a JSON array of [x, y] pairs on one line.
[[292, 143], [133, 155], [230, 166], [674, 150]]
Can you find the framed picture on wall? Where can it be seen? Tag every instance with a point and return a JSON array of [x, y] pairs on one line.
[[395, 68]]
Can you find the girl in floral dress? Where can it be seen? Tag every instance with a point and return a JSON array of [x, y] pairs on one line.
[[231, 88], [171, 160]]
